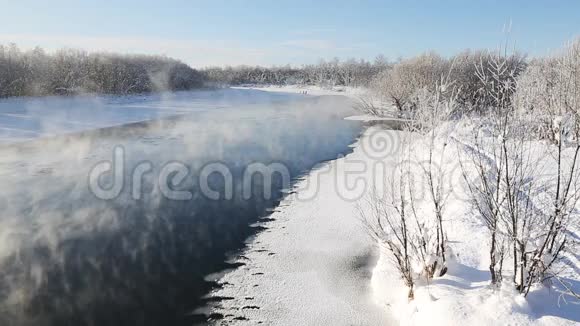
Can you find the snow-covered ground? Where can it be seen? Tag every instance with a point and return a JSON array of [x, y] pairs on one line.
[[363, 97], [315, 264], [351, 92], [463, 296]]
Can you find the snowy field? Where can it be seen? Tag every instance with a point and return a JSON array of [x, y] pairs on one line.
[[464, 296]]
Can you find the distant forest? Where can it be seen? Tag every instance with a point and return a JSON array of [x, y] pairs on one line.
[[68, 71], [352, 72], [36, 73]]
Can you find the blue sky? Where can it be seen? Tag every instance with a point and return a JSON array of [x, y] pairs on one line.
[[276, 32]]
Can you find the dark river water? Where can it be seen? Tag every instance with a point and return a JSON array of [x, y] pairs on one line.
[[88, 237]]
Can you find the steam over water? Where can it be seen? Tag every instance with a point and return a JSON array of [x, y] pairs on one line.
[[70, 258]]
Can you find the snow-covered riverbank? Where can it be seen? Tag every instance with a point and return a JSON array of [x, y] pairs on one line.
[[464, 296], [316, 264], [351, 92], [313, 263]]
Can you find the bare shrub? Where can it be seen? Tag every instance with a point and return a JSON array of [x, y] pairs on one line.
[[549, 92], [391, 218], [468, 68], [415, 238], [401, 83], [508, 190]]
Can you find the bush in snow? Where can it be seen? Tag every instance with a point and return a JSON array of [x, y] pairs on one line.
[[406, 78], [391, 217], [470, 70], [527, 215], [416, 239], [403, 84]]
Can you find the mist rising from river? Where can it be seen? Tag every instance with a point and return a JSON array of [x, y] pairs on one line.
[[70, 258]]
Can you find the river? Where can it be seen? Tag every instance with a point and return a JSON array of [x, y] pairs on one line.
[[114, 209]]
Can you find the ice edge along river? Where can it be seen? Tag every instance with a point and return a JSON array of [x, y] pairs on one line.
[[314, 262]]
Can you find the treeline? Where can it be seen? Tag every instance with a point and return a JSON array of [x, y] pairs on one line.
[[548, 87], [400, 83], [354, 73], [549, 90], [36, 73]]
